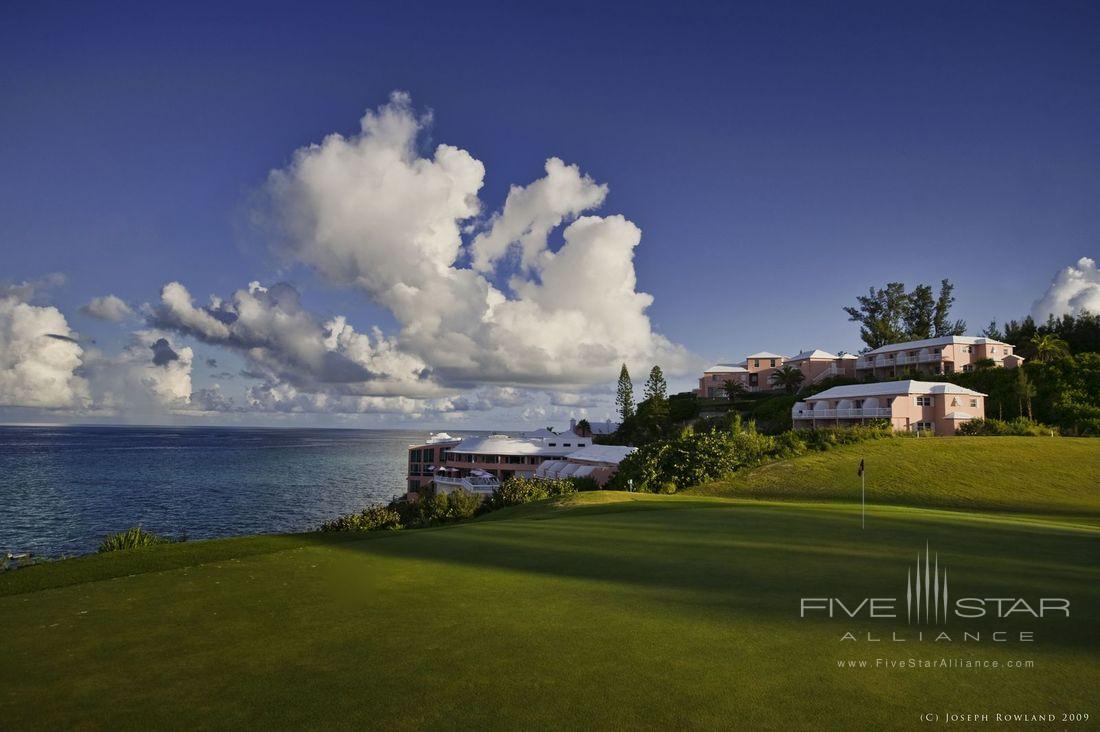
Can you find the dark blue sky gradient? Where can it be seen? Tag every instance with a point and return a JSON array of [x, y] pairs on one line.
[[779, 157]]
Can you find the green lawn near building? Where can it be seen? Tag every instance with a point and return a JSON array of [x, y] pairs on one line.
[[598, 610], [1057, 476]]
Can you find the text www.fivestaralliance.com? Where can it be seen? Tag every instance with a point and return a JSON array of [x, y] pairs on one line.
[[932, 664]]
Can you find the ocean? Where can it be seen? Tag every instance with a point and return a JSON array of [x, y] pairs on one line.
[[63, 488]]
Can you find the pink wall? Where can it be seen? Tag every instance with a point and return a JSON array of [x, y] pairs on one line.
[[906, 413]]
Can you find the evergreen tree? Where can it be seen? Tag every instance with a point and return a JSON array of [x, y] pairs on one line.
[[624, 396], [656, 394], [920, 313], [941, 322]]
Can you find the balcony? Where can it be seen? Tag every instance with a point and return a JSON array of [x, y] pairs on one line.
[[899, 360], [478, 485], [869, 413]]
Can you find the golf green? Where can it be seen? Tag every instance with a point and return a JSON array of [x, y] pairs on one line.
[[600, 610]]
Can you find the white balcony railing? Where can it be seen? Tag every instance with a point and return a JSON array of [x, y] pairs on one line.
[[872, 412], [900, 360], [469, 483]]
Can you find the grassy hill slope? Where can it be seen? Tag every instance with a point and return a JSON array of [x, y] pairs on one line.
[[1055, 476], [597, 610]]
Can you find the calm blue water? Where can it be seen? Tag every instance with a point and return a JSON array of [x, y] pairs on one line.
[[63, 488]]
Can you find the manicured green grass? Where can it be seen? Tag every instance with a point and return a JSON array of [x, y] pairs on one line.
[[1038, 475], [599, 610]]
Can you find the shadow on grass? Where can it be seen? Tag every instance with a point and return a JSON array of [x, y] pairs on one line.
[[762, 559]]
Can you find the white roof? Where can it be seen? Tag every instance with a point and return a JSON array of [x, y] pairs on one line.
[[765, 354], [567, 469], [930, 342], [816, 353], [892, 388], [848, 355], [610, 454], [505, 445], [725, 368], [550, 468]]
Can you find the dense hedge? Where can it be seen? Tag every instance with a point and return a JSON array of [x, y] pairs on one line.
[[695, 458], [1020, 426], [433, 509]]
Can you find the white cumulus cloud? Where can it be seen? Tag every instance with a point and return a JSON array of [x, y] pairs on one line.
[[286, 344], [151, 374], [108, 307], [39, 355], [532, 212], [1073, 289], [370, 211]]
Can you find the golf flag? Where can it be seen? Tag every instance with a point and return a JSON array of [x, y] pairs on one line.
[[862, 497]]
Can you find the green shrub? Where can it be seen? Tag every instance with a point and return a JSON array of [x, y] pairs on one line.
[[700, 457], [132, 538], [1021, 426], [520, 489], [373, 518], [463, 505], [825, 438], [584, 483]]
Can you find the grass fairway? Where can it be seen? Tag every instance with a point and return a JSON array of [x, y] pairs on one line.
[[1042, 476], [598, 611]]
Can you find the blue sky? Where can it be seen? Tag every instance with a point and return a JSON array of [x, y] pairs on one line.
[[778, 158]]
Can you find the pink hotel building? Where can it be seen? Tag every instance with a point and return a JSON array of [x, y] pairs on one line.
[[909, 405], [945, 355]]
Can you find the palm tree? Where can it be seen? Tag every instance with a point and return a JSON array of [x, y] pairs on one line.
[[787, 377], [1049, 347], [733, 389]]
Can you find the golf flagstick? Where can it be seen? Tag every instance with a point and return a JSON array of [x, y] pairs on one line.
[[862, 496]]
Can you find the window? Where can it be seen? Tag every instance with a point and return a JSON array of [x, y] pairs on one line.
[[553, 444], [973, 402], [925, 427], [756, 364], [966, 349], [858, 403], [567, 444], [773, 363], [968, 367], [994, 351], [924, 401]]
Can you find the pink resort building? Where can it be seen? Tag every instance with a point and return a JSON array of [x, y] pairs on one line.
[[818, 365], [910, 406], [946, 355], [753, 373]]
